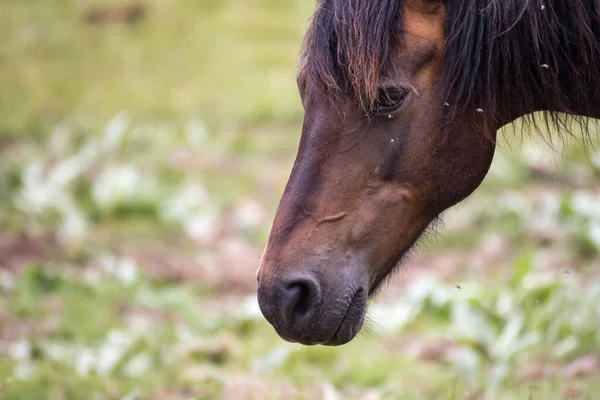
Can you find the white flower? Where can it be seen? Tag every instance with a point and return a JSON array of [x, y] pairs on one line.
[[91, 276], [184, 203], [56, 351], [202, 226], [85, 360], [196, 132], [20, 350], [35, 197], [71, 168], [73, 228], [250, 309], [596, 160], [108, 263], [516, 202], [115, 130], [124, 269], [329, 392], [116, 184], [127, 271], [138, 365], [24, 371], [7, 280], [250, 214], [59, 140], [587, 204], [594, 234], [113, 350]]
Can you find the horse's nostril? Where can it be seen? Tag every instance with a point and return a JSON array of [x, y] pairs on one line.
[[300, 298]]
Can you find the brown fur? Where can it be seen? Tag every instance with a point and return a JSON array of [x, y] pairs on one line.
[[364, 188]]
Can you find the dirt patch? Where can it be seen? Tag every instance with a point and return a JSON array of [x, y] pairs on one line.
[[227, 267], [582, 367], [6, 143], [124, 14], [18, 251], [570, 374]]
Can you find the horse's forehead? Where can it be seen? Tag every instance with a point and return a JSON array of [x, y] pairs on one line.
[[425, 19]]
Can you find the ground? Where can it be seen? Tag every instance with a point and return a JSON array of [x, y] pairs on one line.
[[143, 152]]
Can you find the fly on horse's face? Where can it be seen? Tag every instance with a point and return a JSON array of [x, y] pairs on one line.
[[383, 153], [364, 187]]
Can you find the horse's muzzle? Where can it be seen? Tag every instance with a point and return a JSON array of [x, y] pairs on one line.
[[310, 311]]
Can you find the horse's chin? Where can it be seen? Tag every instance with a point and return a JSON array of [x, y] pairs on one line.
[[390, 268], [351, 323]]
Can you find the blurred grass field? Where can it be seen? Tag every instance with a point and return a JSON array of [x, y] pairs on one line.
[[141, 164]]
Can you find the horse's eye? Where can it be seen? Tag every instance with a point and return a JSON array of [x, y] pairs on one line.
[[389, 100]]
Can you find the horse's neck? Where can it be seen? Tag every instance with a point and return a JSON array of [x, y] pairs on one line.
[[563, 75], [591, 108], [583, 102]]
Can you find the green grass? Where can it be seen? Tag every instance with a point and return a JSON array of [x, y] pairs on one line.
[[225, 62], [132, 278]]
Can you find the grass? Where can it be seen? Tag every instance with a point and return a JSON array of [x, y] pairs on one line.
[[222, 62], [141, 166]]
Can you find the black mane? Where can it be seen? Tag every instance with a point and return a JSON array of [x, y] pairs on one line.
[[505, 57], [350, 43], [508, 57]]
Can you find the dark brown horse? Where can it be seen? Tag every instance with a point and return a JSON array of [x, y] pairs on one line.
[[403, 99]]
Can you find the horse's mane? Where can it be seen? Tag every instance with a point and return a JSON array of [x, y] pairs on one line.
[[502, 56], [349, 44]]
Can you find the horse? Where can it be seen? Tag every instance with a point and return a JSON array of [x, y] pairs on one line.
[[402, 102]]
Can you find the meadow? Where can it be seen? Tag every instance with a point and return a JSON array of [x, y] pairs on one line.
[[141, 160]]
